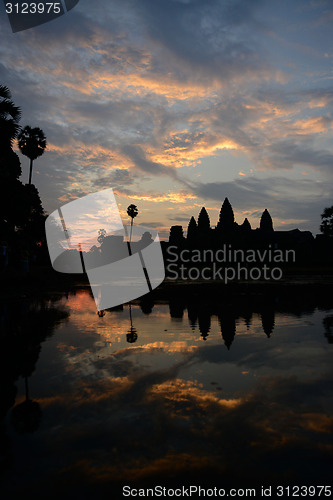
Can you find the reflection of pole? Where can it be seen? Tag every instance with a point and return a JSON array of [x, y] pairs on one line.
[[26, 389], [81, 256], [131, 335], [130, 311], [25, 417]]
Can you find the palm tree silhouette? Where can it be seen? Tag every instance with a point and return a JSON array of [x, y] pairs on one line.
[[132, 211], [9, 118], [32, 143]]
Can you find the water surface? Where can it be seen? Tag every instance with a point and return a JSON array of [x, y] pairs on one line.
[[207, 392]]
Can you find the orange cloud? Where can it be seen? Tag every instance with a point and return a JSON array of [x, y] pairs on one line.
[[176, 197]]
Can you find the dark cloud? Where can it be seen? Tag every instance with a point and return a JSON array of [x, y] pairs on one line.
[[288, 153], [299, 199], [151, 224], [216, 39], [152, 85], [137, 155], [180, 218], [115, 178], [243, 194]]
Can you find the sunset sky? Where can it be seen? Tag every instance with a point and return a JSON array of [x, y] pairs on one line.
[[177, 104]]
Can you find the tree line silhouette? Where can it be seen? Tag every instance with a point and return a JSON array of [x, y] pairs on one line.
[[21, 213]]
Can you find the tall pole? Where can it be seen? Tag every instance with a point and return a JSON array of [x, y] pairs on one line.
[[131, 229], [30, 173]]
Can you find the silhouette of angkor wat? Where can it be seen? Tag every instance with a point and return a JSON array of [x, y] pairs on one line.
[[201, 235]]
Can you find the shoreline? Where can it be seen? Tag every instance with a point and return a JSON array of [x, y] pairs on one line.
[[44, 280]]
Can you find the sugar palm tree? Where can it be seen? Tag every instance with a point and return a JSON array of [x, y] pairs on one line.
[[132, 211], [32, 143], [9, 118]]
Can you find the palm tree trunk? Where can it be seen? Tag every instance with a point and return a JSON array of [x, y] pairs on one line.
[[130, 313], [30, 173], [131, 230]]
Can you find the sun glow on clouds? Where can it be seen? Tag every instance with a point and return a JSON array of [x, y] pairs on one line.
[[185, 390], [179, 197], [176, 94]]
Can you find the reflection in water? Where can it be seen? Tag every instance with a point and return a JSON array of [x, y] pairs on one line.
[[25, 417], [200, 390], [192, 312], [227, 322], [147, 304], [132, 335], [24, 327], [268, 321], [328, 325], [204, 323]]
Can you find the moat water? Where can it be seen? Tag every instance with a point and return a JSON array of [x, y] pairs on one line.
[[178, 392]]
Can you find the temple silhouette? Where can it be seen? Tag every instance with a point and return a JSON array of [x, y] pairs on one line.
[[202, 235]]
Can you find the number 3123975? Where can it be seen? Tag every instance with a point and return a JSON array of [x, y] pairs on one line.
[[33, 8]]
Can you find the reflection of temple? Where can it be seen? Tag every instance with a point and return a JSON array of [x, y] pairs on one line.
[[233, 312], [177, 307], [147, 304], [268, 321], [192, 312], [200, 233], [227, 322], [200, 312], [204, 323], [328, 325]]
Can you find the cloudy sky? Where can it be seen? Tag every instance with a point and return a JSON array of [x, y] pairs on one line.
[[177, 104]]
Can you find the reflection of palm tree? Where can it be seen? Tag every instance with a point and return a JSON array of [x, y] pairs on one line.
[[9, 117], [132, 335], [32, 143], [26, 416], [24, 328], [101, 236], [132, 211]]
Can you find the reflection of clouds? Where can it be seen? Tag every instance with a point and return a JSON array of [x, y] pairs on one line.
[[100, 344], [173, 346], [317, 422], [151, 411], [180, 390], [143, 426]]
